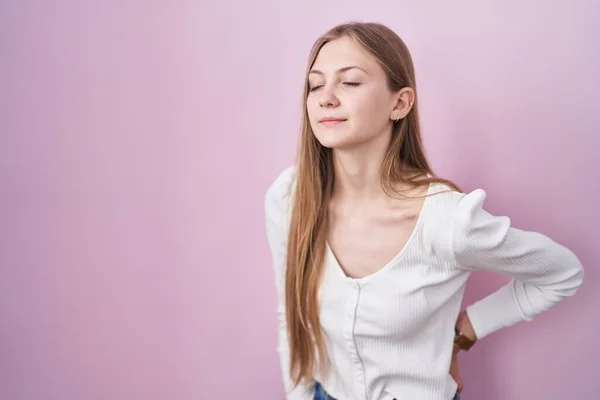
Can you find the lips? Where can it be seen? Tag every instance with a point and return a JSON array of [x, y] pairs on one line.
[[332, 119]]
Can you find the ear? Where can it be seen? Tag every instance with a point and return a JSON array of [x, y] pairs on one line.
[[404, 103]]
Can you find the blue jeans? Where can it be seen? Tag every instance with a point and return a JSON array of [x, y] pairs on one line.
[[321, 394]]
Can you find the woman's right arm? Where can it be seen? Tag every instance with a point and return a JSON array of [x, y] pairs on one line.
[[277, 201]]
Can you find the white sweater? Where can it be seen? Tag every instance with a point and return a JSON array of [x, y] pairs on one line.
[[390, 334]]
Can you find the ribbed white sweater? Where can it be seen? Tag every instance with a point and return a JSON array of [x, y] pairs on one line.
[[390, 334]]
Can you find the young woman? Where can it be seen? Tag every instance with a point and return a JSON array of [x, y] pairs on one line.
[[372, 250]]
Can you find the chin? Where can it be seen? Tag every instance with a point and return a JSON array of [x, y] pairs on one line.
[[338, 142]]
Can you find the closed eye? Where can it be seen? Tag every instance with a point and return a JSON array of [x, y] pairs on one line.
[[353, 84]]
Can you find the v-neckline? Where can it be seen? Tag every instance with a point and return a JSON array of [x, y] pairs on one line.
[[330, 256]]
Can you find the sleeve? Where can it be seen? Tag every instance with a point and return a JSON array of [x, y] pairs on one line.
[[276, 210], [543, 272]]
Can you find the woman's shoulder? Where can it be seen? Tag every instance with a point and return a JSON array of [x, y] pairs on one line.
[[452, 208], [278, 194], [449, 212], [450, 200]]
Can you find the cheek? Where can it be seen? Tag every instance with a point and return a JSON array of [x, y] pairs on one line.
[[370, 110], [311, 108]]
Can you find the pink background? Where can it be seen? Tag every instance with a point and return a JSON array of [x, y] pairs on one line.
[[137, 139]]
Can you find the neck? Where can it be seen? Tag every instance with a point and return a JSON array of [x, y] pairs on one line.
[[358, 171]]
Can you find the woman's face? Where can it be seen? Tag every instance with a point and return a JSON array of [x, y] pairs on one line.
[[349, 102]]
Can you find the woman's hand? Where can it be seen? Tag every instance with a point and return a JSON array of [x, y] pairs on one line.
[[454, 372], [463, 324]]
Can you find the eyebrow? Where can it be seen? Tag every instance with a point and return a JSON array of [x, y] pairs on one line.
[[316, 71]]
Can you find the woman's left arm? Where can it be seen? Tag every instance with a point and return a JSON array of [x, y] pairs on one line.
[[543, 272]]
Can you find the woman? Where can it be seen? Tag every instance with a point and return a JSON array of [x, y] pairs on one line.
[[372, 250]]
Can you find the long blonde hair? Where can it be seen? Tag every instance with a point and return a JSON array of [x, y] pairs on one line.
[[404, 163]]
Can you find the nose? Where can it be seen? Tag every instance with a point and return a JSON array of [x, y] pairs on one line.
[[328, 98]]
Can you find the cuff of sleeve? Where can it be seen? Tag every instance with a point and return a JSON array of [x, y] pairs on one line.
[[496, 311]]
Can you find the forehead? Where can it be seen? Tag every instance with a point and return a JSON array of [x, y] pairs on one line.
[[343, 52]]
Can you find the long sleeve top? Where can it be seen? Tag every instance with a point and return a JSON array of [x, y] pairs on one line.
[[389, 335]]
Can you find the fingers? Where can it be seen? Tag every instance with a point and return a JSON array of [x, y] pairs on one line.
[[454, 372], [456, 376], [460, 386]]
